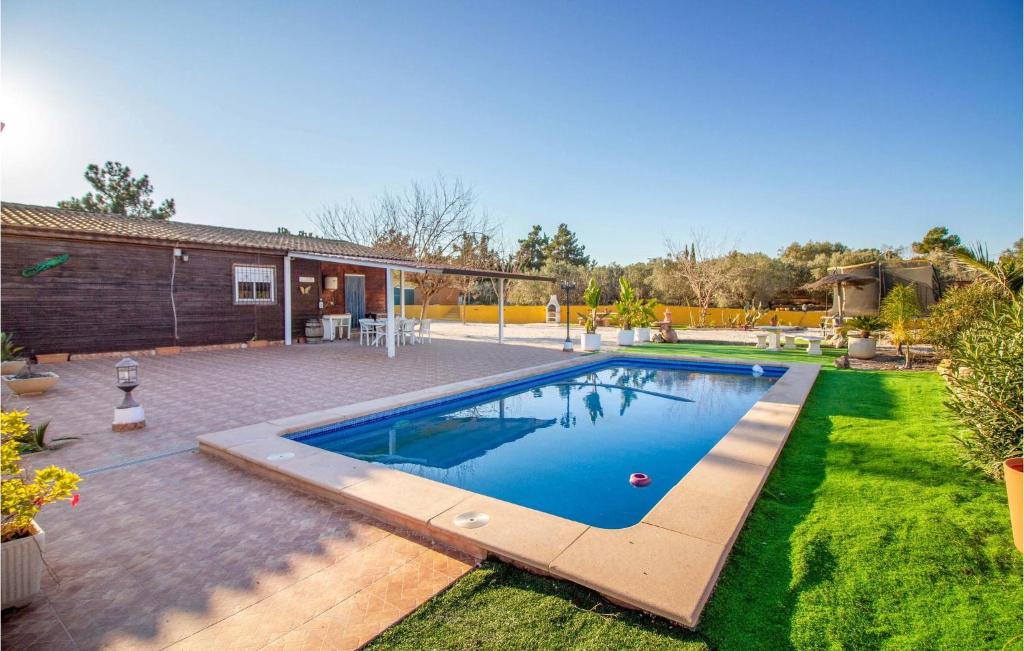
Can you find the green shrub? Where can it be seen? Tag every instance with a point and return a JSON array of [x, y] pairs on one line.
[[899, 310], [985, 386], [959, 309]]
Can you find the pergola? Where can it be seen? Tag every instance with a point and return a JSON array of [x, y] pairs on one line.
[[402, 266]]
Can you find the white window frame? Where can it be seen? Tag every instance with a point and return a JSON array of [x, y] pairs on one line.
[[237, 269]]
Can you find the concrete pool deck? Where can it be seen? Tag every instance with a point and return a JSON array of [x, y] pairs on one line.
[[667, 564]]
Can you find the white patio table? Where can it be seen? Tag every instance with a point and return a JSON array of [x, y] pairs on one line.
[[333, 323], [773, 334]]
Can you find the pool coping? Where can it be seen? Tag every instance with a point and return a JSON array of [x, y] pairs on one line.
[[667, 564]]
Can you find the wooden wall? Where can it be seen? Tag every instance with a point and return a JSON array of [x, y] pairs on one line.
[[114, 296], [334, 300]]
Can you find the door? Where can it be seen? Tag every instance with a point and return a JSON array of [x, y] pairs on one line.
[[355, 296]]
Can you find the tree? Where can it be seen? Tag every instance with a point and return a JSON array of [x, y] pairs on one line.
[[937, 238], [532, 251], [702, 269], [565, 247], [117, 192], [427, 222], [899, 309], [753, 279], [473, 251]]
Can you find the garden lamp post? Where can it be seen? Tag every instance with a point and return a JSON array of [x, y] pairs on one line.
[[129, 415], [567, 285]]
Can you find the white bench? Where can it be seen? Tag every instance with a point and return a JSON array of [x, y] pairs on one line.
[[813, 345], [789, 341], [762, 340]]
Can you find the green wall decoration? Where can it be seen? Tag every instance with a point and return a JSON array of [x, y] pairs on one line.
[[55, 261]]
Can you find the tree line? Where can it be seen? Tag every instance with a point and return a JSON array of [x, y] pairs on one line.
[[441, 222]]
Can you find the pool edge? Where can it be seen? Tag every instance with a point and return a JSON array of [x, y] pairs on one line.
[[671, 573]]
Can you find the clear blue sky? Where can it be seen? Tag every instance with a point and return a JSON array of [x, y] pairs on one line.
[[760, 123]]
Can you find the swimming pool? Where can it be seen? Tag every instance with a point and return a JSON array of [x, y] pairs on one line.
[[564, 443]]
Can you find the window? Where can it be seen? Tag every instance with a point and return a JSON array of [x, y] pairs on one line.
[[254, 284]]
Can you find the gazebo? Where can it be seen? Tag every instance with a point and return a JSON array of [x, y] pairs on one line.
[[839, 281]]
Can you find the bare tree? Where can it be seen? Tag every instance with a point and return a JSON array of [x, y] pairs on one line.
[[701, 267], [426, 222]]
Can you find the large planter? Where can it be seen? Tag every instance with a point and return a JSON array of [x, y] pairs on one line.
[[591, 341], [1013, 474], [40, 383], [22, 568], [861, 347], [12, 367], [626, 337], [643, 335]]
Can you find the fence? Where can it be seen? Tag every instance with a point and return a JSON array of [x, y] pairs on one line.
[[682, 315]]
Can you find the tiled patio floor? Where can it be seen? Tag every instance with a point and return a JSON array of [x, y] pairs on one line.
[[187, 551]]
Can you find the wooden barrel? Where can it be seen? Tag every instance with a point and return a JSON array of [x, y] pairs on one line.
[[314, 330]]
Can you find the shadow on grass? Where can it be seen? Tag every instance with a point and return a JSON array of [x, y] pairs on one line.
[[755, 600], [501, 607]]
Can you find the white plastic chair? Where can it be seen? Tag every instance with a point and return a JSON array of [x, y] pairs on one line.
[[407, 331], [367, 329], [424, 331], [380, 331]]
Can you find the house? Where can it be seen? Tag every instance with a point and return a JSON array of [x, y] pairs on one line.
[[79, 282]]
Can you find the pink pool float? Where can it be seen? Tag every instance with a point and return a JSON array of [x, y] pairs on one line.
[[639, 479]]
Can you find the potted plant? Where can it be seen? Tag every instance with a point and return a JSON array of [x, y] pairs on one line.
[[863, 346], [626, 313], [1013, 475], [11, 360], [27, 382], [21, 539], [644, 318], [592, 299]]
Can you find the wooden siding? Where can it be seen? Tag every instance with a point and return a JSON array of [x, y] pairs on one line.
[[334, 300], [116, 296], [113, 296]]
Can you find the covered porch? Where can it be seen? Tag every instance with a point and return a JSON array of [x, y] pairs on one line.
[[318, 285]]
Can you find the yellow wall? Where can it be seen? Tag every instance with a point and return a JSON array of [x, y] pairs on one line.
[[681, 315]]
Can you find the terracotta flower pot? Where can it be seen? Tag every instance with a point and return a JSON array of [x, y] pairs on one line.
[[41, 383], [12, 367], [1013, 474]]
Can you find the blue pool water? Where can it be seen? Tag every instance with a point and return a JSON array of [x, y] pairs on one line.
[[564, 443]]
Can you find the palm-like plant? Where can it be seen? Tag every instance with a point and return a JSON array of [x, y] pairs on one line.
[[592, 299], [899, 309], [866, 325], [1006, 273], [8, 351], [626, 307]]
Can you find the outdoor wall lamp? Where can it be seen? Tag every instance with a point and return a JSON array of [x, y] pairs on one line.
[[567, 285], [129, 415]]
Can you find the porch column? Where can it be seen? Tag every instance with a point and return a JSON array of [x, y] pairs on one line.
[[389, 302], [401, 291], [501, 310], [287, 300]]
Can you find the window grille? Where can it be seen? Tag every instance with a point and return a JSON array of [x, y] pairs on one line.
[[254, 284]]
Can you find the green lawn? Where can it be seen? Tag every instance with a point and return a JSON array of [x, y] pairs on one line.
[[868, 534]]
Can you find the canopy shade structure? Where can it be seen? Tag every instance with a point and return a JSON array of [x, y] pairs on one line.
[[402, 266], [825, 282], [838, 281]]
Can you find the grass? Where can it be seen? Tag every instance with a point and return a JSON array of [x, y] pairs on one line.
[[869, 534]]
